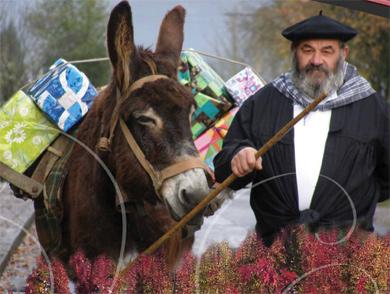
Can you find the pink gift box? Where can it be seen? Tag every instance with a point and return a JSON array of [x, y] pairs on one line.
[[243, 85], [208, 145]]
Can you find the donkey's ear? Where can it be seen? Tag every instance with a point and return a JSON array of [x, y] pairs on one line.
[[120, 44], [171, 35]]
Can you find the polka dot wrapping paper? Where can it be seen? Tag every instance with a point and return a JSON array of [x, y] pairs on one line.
[[243, 85], [25, 132]]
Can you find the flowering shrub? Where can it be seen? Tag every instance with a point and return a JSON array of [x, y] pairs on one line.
[[40, 281], [297, 262]]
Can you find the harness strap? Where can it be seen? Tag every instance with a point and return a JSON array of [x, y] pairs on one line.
[[194, 162], [105, 143], [158, 177], [139, 83], [139, 154]]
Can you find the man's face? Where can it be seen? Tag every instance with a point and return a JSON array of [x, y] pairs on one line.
[[319, 57], [318, 66]]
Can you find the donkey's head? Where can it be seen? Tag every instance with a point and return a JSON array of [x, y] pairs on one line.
[[157, 110]]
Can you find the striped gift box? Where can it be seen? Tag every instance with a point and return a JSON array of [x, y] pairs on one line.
[[210, 142], [208, 145], [65, 94]]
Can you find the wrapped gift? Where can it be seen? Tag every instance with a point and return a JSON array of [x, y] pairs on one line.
[[243, 85], [65, 94], [209, 110], [25, 132], [210, 142], [208, 145], [208, 87], [222, 126]]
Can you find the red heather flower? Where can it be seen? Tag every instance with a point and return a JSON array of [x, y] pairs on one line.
[[360, 286], [82, 269], [61, 280], [40, 279], [103, 271], [184, 280], [288, 276], [247, 273]]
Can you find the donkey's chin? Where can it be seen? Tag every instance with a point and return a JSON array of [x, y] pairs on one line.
[[185, 191], [195, 221]]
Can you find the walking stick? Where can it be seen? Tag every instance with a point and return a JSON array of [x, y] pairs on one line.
[[227, 182]]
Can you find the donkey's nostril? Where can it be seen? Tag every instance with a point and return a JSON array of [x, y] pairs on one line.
[[185, 197]]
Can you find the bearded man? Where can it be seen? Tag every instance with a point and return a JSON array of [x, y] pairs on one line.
[[333, 167]]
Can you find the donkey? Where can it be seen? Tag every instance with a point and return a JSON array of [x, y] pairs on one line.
[[143, 99]]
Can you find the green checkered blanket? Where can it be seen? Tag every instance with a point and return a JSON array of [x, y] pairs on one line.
[[48, 209]]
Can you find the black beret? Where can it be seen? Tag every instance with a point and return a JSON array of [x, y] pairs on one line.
[[319, 27]]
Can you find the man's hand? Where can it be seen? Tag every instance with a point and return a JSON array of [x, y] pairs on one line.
[[244, 162]]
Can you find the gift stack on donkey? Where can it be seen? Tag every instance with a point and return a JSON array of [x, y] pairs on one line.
[[134, 169]]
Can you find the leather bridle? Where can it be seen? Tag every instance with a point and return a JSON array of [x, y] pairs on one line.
[[157, 177]]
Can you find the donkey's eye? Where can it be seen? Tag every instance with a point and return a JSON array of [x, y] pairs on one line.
[[146, 120]]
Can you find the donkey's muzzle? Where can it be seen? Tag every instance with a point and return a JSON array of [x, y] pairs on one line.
[[183, 192]]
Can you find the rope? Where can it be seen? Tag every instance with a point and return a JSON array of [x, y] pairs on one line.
[[62, 65], [228, 60], [106, 58]]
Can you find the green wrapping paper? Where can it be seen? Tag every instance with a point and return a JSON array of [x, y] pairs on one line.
[[211, 96], [25, 132]]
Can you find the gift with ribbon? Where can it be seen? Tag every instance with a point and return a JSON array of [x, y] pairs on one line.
[[25, 132], [65, 94]]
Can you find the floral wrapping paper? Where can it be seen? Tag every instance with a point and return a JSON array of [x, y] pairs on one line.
[[65, 95], [243, 85], [211, 96], [25, 132]]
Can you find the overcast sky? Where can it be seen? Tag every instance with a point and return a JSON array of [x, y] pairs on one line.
[[205, 20]]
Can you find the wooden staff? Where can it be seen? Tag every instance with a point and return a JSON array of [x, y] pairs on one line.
[[228, 181]]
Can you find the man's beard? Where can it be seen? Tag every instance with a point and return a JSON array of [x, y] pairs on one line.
[[330, 82]]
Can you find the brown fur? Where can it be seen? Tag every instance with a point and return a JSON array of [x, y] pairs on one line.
[[91, 221]]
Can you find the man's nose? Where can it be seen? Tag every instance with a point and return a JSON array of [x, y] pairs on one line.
[[316, 59]]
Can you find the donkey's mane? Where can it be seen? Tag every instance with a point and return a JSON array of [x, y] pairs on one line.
[[145, 49]]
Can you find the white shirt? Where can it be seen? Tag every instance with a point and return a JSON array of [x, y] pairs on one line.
[[310, 135]]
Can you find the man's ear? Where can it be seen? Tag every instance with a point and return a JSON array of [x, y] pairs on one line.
[[292, 47], [345, 51]]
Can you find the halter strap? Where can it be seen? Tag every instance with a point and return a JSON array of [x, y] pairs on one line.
[[158, 177], [139, 83], [105, 143]]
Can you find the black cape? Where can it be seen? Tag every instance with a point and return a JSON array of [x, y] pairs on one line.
[[355, 163]]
